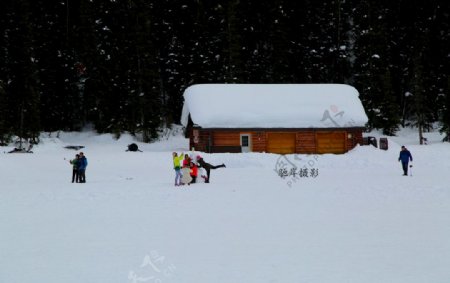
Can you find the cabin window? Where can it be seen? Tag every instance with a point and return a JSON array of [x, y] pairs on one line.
[[244, 141], [195, 133]]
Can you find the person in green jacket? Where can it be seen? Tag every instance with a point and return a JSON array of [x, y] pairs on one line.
[[75, 162], [177, 167]]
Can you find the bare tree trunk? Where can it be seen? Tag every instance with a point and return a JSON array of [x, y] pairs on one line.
[[420, 131]]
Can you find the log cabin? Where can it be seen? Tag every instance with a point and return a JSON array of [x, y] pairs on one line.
[[273, 118]]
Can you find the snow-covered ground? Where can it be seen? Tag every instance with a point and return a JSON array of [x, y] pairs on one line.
[[358, 220]]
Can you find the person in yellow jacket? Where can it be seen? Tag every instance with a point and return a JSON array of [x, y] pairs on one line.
[[177, 167]]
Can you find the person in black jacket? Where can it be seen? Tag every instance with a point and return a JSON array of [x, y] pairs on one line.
[[75, 162], [207, 167]]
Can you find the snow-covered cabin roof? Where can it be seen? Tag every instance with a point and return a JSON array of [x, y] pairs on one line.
[[273, 106]]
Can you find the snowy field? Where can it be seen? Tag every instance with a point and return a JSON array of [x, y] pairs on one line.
[[359, 220]]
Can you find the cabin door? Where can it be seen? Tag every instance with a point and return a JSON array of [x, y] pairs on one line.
[[246, 145], [281, 143], [331, 142]]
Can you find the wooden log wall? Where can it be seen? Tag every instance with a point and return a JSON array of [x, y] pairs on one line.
[[305, 140], [259, 141]]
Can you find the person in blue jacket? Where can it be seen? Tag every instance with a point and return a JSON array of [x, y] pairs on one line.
[[82, 168], [405, 157]]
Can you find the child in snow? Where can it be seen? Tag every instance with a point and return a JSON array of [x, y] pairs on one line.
[[186, 176], [176, 166], [194, 172], [207, 167], [75, 162], [186, 161], [405, 157]]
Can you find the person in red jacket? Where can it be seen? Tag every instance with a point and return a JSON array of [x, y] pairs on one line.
[[194, 172], [186, 161]]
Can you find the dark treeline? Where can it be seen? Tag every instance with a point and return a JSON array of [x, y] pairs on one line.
[[123, 65]]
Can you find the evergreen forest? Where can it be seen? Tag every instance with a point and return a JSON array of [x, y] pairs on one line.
[[122, 65]]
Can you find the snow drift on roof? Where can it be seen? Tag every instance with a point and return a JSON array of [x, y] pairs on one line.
[[273, 106]]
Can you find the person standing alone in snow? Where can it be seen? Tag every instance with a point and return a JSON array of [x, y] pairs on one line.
[[176, 166], [405, 157]]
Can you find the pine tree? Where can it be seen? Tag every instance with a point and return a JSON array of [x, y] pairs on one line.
[[102, 96], [445, 120], [233, 45], [423, 66], [5, 117], [59, 101], [279, 42], [258, 36], [373, 75], [5, 130], [85, 41], [441, 42], [22, 77], [145, 83]]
